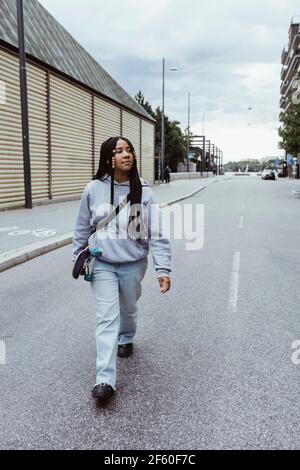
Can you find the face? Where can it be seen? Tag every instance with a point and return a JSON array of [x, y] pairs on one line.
[[123, 156]]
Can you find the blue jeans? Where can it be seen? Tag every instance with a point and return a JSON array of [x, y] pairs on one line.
[[116, 290]]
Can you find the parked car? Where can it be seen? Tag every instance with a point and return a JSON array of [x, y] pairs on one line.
[[268, 175]]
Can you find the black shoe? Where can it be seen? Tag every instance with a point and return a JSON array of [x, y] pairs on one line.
[[125, 350], [103, 392]]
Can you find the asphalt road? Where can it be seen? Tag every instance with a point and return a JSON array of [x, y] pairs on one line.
[[212, 367], [21, 227]]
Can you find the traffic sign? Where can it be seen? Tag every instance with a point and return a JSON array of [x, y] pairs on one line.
[[290, 160]]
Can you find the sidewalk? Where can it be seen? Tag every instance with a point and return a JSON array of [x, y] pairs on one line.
[[27, 233]]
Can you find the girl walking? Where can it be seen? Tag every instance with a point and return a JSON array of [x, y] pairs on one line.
[[120, 268]]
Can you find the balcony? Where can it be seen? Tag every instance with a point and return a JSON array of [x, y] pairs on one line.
[[293, 31], [284, 55], [284, 105], [287, 106], [293, 52], [294, 41], [290, 73], [283, 72], [282, 102], [284, 87], [287, 98]]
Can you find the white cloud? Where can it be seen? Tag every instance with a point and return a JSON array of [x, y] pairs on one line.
[[228, 55]]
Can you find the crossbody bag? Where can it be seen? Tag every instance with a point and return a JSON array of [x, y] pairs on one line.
[[84, 262]]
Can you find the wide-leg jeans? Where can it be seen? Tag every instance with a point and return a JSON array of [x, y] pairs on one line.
[[116, 290]]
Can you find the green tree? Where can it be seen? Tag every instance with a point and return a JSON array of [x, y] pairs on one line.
[[290, 130], [175, 142], [253, 165], [139, 97]]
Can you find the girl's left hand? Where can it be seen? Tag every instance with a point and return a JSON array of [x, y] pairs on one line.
[[165, 284]]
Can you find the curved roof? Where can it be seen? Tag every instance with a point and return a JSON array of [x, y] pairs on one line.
[[48, 41]]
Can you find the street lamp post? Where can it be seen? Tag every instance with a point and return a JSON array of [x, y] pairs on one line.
[[24, 106], [188, 133], [204, 152], [173, 69], [163, 122], [208, 154]]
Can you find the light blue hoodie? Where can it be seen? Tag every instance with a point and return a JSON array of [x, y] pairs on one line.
[[92, 210]]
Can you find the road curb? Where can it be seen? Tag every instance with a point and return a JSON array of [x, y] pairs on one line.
[[21, 255], [186, 196]]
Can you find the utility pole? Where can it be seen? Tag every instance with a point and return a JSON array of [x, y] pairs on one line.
[[188, 133], [163, 122], [204, 151], [24, 106], [207, 147]]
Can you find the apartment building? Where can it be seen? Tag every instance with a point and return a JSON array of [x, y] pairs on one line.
[[290, 60]]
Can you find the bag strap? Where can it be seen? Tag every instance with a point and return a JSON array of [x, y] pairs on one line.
[[103, 223]]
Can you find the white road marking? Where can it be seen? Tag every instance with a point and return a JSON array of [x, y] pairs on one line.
[[241, 225], [19, 232], [234, 282], [39, 232], [8, 229]]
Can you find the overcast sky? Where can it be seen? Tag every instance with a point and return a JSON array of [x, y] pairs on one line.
[[227, 53]]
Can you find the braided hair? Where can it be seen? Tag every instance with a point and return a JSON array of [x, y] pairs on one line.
[[105, 168]]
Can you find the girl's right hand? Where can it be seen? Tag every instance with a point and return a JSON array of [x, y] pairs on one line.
[[165, 284]]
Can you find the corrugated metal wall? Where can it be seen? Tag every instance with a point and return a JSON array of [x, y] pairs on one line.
[[62, 160], [148, 152], [131, 130], [71, 138], [107, 124], [38, 132], [11, 151]]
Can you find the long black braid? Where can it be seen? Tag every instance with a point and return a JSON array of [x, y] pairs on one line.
[[105, 168]]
